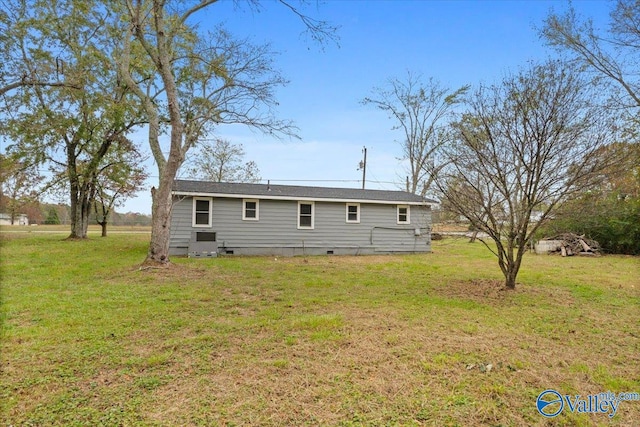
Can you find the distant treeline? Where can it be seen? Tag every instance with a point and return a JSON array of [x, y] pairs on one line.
[[48, 213]]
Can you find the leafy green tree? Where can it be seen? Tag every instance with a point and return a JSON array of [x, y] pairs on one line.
[[611, 220], [52, 217], [68, 128], [608, 212], [14, 73], [186, 82]]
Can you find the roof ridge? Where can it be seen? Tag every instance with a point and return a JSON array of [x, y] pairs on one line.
[[302, 191]]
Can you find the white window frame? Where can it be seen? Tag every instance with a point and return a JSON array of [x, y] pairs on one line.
[[408, 220], [194, 212], [244, 210], [313, 216], [353, 221]]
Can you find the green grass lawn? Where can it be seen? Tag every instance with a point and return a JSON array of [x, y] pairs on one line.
[[88, 338]]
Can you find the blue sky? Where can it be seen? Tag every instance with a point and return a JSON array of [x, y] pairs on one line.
[[455, 42]]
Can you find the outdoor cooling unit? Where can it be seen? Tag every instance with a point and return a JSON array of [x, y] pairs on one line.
[[203, 244]]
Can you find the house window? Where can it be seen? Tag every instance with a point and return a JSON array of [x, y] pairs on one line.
[[305, 215], [250, 209], [202, 212], [353, 212], [403, 214]]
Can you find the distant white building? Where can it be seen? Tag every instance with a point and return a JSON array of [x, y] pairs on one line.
[[20, 219]]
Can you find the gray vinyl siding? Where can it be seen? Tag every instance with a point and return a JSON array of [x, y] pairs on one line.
[[277, 232]]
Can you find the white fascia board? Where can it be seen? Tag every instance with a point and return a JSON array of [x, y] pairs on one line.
[[310, 199]]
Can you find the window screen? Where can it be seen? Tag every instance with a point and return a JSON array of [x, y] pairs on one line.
[[305, 217], [202, 212]]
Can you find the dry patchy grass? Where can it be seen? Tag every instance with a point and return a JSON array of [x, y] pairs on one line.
[[376, 340]]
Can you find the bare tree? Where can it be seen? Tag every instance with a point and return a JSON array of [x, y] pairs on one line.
[[221, 161], [612, 54], [197, 82], [525, 145], [421, 110]]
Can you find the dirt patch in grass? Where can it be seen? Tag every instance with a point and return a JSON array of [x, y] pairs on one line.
[[479, 290], [365, 260], [493, 292], [171, 272]]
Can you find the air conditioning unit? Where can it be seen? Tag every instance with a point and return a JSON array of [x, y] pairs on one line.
[[203, 244]]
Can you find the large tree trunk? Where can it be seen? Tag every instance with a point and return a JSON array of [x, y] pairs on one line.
[[103, 225], [162, 201], [76, 196], [160, 225], [77, 226], [161, 212], [86, 211], [77, 231], [80, 211]]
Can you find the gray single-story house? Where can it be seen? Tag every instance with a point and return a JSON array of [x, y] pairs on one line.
[[210, 218]]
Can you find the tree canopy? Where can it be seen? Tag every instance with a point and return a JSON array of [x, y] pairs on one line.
[[611, 53], [81, 74], [69, 128], [221, 161]]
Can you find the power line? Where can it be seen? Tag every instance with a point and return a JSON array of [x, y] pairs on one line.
[[311, 180]]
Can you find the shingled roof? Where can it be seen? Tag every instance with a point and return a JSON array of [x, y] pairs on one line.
[[294, 192]]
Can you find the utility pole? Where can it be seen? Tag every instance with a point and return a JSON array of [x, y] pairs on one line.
[[363, 166]]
